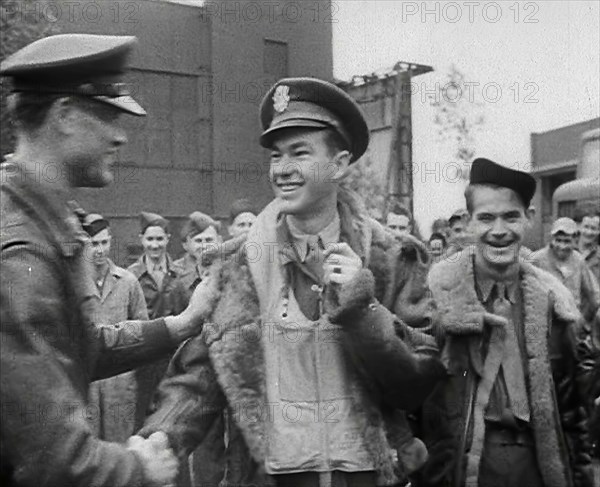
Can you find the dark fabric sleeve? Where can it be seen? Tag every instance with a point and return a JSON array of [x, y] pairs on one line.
[[571, 373], [46, 440], [128, 345], [189, 400]]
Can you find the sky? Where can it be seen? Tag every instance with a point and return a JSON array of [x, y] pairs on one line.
[[532, 66]]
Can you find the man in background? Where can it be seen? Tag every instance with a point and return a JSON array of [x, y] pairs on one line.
[[589, 246], [241, 217], [560, 259], [157, 275], [120, 298]]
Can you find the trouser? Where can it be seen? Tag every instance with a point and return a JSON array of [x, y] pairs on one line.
[[328, 479], [508, 459]]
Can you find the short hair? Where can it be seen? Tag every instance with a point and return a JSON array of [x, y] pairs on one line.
[[30, 110], [335, 141], [472, 187]]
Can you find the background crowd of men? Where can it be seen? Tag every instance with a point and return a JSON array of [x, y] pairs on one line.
[[356, 355]]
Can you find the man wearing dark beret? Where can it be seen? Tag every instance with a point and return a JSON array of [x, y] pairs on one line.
[[510, 413], [68, 97], [306, 352]]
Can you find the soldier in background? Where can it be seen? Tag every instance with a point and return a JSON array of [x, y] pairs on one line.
[[157, 274], [241, 217], [120, 298], [560, 259], [589, 243], [457, 229]]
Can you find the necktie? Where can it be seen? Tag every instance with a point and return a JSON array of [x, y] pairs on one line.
[[157, 275], [512, 364]]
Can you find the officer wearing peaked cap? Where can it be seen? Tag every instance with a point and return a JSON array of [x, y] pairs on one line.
[[312, 261], [509, 414], [67, 97]]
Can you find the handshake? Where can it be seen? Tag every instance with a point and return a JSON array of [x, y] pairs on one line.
[[159, 462]]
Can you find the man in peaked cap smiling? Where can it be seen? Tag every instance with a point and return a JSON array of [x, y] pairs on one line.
[[516, 352], [314, 262], [68, 96]]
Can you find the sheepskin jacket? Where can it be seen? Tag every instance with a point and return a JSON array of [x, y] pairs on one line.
[[556, 364], [224, 367]]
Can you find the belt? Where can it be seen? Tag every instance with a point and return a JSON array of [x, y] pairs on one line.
[[498, 433]]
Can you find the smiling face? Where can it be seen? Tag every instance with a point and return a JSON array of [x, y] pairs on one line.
[[589, 229], [562, 245], [155, 240], [498, 223], [305, 170]]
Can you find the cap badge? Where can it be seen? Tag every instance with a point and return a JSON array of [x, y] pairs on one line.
[[281, 98]]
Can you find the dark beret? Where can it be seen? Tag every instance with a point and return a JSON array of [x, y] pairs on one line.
[[317, 104], [196, 223], [241, 206], [484, 171], [75, 64], [148, 219], [94, 224]]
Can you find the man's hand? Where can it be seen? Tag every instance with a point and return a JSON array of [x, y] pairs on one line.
[[189, 322], [158, 460], [341, 264]]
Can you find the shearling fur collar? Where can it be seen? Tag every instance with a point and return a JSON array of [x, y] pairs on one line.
[[235, 349], [544, 298]]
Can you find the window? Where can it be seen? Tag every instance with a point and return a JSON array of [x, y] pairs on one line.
[[276, 58]]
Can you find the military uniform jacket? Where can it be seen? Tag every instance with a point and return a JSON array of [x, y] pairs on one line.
[[51, 349], [557, 366], [225, 366]]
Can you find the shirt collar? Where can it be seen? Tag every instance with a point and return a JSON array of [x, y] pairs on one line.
[[485, 284], [300, 241], [161, 266]]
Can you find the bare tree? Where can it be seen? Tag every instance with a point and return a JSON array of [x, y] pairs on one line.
[[363, 179], [458, 117]]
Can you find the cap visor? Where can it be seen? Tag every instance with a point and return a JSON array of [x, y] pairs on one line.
[[267, 136], [125, 103]]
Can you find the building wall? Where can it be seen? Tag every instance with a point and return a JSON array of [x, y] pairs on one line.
[[555, 155]]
